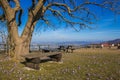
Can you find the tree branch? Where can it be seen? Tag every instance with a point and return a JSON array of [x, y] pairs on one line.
[[81, 24], [10, 17], [77, 7], [58, 4], [38, 6], [17, 5], [67, 9], [6, 8], [4, 4]]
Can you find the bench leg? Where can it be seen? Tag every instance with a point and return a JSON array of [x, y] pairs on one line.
[[59, 57], [32, 65], [36, 66]]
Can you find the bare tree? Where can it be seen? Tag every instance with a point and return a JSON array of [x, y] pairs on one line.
[[71, 12]]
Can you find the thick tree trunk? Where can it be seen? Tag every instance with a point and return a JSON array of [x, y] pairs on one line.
[[17, 49], [18, 45], [22, 49]]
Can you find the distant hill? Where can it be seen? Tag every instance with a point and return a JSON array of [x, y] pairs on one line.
[[76, 43], [116, 41]]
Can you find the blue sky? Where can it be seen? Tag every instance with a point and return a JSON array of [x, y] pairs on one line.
[[106, 28]]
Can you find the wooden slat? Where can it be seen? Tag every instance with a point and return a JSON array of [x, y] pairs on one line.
[[34, 55]]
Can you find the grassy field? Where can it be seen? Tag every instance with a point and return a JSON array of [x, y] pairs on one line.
[[83, 64]]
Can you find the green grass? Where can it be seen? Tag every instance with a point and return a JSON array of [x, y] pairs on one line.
[[83, 64]]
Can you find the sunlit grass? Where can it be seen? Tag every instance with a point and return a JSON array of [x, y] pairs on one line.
[[83, 64]]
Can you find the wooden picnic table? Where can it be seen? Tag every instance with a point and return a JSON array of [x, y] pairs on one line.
[[33, 60], [68, 49]]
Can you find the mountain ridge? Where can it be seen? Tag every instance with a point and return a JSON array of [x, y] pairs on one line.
[[115, 41]]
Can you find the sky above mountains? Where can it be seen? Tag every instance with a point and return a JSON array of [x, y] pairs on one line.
[[107, 27]]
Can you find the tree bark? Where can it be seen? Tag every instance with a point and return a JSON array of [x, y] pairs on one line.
[[19, 45], [21, 48]]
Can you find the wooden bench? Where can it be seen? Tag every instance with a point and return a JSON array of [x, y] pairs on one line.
[[33, 60], [70, 49]]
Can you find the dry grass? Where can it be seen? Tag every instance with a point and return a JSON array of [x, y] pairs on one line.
[[83, 64]]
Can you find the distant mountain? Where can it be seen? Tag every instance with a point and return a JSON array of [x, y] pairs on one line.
[[76, 43], [116, 41]]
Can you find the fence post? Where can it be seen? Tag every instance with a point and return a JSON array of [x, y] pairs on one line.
[[39, 47]]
